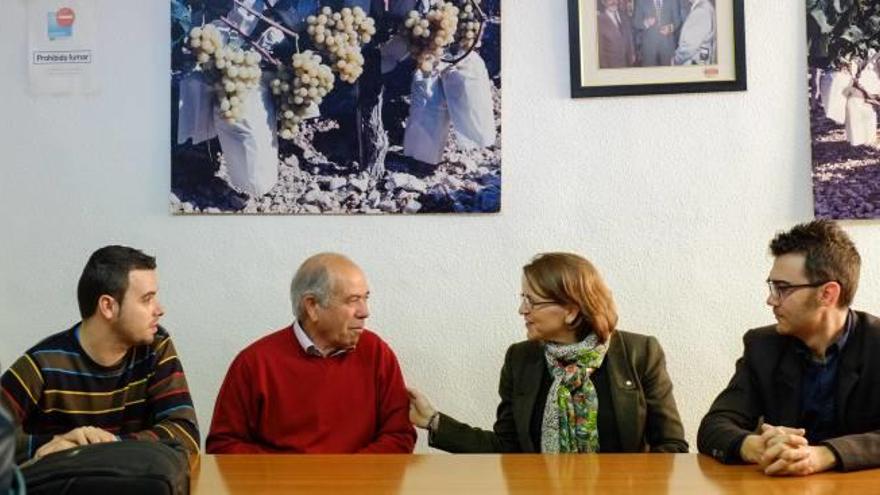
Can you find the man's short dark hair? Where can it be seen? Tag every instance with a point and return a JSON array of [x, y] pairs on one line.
[[830, 255], [106, 272]]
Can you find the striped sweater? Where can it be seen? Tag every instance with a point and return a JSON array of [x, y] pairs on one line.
[[55, 387]]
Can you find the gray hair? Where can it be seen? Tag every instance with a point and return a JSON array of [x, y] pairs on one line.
[[313, 278]]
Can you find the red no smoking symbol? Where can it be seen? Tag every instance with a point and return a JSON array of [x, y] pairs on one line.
[[65, 16]]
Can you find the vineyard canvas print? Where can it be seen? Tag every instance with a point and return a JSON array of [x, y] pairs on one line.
[[843, 38], [335, 106]]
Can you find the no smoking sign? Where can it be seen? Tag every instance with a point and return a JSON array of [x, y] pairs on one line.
[[65, 16]]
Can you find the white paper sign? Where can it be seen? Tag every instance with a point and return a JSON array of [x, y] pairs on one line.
[[61, 46]]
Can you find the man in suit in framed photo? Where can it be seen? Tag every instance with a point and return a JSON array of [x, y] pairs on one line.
[[615, 40], [656, 24]]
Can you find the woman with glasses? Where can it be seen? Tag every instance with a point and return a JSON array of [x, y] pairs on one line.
[[577, 384]]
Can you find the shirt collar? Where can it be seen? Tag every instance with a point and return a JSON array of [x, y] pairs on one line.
[[309, 346], [835, 348], [847, 331]]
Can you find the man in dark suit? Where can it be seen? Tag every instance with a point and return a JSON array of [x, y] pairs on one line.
[[805, 396], [657, 23], [615, 36]]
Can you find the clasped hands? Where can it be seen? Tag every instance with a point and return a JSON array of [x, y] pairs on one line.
[[785, 451], [76, 437]]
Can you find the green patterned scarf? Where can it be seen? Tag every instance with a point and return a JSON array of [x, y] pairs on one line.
[[570, 413]]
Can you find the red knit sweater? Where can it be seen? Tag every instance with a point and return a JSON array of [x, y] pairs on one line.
[[277, 398]]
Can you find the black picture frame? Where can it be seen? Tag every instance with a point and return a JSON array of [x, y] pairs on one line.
[[588, 79]]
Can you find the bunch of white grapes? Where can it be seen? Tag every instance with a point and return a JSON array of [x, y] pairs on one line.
[[468, 26], [340, 36], [307, 81], [233, 71], [430, 34], [205, 41]]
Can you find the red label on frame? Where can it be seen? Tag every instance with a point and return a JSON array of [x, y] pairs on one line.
[[65, 16]]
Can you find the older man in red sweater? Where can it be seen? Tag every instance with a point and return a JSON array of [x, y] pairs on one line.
[[324, 384]]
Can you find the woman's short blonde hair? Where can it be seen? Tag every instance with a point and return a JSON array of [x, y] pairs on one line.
[[567, 278]]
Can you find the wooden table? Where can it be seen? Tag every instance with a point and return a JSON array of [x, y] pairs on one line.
[[641, 474]]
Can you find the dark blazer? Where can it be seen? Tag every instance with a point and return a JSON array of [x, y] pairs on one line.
[[644, 407], [670, 13], [655, 48], [767, 385]]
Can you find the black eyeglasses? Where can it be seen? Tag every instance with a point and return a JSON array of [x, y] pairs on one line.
[[780, 290], [527, 302]]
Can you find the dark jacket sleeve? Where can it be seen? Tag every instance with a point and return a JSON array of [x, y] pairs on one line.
[[639, 15], [7, 450], [861, 449], [858, 451], [734, 414], [453, 436], [663, 427]]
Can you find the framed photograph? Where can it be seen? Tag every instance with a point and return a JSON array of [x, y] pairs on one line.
[[843, 64], [640, 47], [335, 107]]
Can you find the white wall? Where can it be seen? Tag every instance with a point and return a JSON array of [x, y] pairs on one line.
[[674, 198]]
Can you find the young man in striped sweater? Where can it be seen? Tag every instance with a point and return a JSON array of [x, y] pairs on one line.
[[113, 376]]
